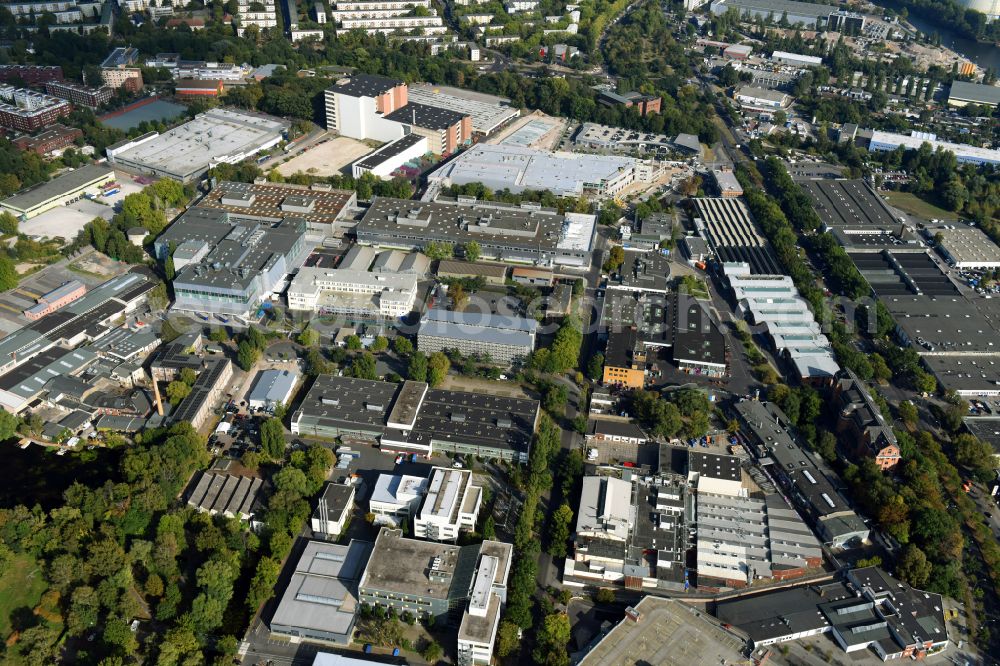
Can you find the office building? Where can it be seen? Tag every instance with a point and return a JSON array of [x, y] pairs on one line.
[[273, 388], [888, 141], [429, 579], [964, 92], [355, 293], [502, 339], [59, 191], [775, 447], [666, 631], [55, 299], [445, 130], [325, 210], [320, 602], [522, 234], [450, 505], [226, 266], [477, 629], [519, 168], [226, 495], [26, 110], [863, 428], [356, 107], [726, 183], [333, 510], [49, 141], [79, 94], [396, 497], [413, 418], [32, 75], [184, 154], [120, 69]]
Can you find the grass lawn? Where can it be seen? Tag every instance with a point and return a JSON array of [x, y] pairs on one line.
[[20, 587], [911, 203]]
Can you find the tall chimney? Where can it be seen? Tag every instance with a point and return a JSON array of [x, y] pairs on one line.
[[156, 395]]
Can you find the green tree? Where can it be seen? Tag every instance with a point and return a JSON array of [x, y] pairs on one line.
[[437, 368], [551, 646], [352, 342], [595, 366], [439, 250], [9, 424], [8, 223], [402, 346], [508, 638], [272, 439], [908, 413], [8, 274], [605, 595], [561, 525], [472, 251], [309, 337], [247, 355], [380, 344], [177, 391], [432, 652], [363, 366], [188, 376], [913, 567], [616, 257], [417, 367]]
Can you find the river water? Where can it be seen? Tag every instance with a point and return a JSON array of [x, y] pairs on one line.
[[984, 55]]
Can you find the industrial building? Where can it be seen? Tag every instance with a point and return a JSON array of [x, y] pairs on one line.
[[333, 510], [524, 234], [384, 161], [224, 265], [726, 183], [186, 152], [888, 141], [807, 14], [495, 274], [445, 130], [320, 602], [732, 235], [26, 110], [55, 299], [59, 191], [79, 94], [355, 293], [796, 59], [761, 99], [775, 447], [273, 388], [502, 339], [324, 209], [773, 300], [450, 505], [649, 333], [226, 495], [964, 246], [489, 114], [666, 631], [645, 104], [867, 610], [963, 93], [413, 418], [519, 168]]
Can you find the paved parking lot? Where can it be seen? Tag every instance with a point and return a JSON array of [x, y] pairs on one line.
[[67, 221]]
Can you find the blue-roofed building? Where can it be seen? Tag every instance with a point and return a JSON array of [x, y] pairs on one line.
[[504, 339]]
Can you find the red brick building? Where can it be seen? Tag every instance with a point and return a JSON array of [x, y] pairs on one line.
[[27, 110], [79, 94], [199, 88], [646, 104], [54, 138], [33, 75], [863, 430]]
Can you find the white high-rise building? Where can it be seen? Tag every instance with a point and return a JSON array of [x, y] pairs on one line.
[[451, 505]]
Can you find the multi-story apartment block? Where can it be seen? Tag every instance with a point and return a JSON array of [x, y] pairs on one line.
[[50, 140], [27, 110], [450, 506], [33, 75], [79, 94], [264, 18], [356, 107], [429, 25], [120, 69]]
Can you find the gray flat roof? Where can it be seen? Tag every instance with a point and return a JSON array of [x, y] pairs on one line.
[[479, 327], [58, 186], [974, 92]]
